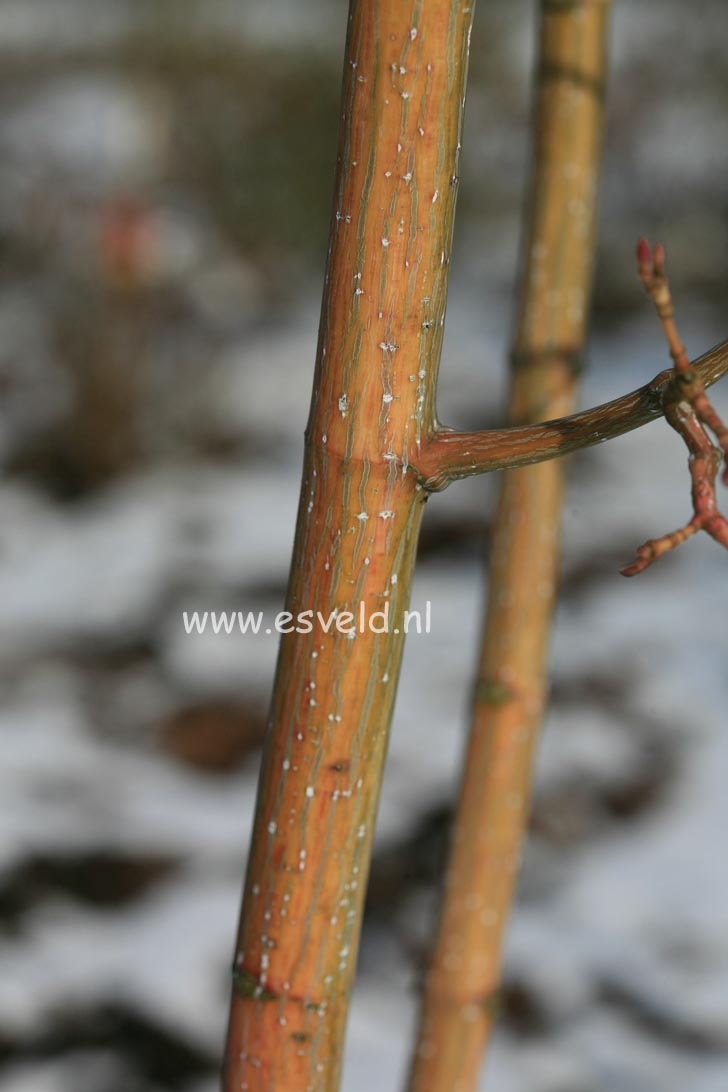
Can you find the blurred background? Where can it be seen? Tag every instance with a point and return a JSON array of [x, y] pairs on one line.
[[166, 169]]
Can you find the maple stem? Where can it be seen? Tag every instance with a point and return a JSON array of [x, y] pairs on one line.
[[459, 1004], [360, 510]]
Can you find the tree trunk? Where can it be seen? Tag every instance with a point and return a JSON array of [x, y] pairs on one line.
[[360, 511]]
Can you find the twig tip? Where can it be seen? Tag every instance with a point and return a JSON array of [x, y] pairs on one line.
[[644, 252], [659, 258]]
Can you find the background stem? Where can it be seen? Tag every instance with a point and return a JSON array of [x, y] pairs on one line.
[[459, 1000]]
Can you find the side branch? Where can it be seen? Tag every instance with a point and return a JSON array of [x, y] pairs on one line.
[[450, 455]]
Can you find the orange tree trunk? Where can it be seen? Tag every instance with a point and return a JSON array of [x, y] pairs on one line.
[[358, 521]]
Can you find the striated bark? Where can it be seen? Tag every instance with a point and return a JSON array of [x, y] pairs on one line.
[[459, 1004], [359, 516]]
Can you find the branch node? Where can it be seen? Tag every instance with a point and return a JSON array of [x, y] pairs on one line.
[[689, 411]]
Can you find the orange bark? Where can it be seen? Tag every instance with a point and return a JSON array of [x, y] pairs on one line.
[[360, 510]]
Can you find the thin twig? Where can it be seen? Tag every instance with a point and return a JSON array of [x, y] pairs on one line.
[[689, 411]]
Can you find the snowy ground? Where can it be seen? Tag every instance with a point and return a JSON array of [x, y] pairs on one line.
[[129, 750]]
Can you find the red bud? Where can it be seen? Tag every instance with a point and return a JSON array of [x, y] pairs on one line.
[[644, 254]]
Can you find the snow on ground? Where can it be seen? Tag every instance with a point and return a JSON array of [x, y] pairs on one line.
[[130, 749], [636, 922]]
